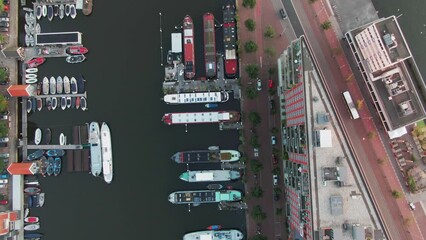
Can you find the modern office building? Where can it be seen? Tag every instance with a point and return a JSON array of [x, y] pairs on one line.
[[390, 73]]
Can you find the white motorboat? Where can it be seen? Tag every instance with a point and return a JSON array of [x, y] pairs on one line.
[[27, 29], [37, 136], [31, 80], [67, 85], [83, 103], [27, 9], [73, 11], [106, 145], [68, 102], [52, 85], [31, 70], [59, 85], [39, 104], [44, 10], [30, 75], [67, 9], [63, 103], [95, 149], [32, 227], [74, 88], [29, 18], [49, 103], [62, 139], [29, 105], [61, 11], [231, 234], [38, 28], [39, 11], [56, 10], [54, 103], [41, 198], [50, 12], [27, 40], [45, 86], [31, 41]]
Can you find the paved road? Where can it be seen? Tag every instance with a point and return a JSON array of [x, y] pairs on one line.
[[336, 70]]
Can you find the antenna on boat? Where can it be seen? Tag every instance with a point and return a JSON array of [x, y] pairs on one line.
[[186, 128], [189, 207]]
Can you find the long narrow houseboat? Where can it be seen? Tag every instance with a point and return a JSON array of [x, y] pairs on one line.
[[211, 155], [200, 117], [197, 197], [209, 45], [188, 44], [199, 97], [231, 234], [230, 39]]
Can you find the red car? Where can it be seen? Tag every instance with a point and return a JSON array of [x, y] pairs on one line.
[[271, 83], [274, 159], [4, 202]]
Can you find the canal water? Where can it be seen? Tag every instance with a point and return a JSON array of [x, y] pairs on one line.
[[124, 80]]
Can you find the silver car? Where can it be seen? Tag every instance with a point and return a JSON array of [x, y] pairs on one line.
[[259, 85], [4, 139]]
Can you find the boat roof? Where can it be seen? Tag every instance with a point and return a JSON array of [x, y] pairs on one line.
[[203, 97], [205, 176], [198, 117]]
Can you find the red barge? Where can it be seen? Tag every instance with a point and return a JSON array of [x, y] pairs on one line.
[[209, 45], [230, 39]]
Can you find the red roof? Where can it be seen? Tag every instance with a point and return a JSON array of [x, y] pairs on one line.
[[22, 168], [21, 90], [5, 219]]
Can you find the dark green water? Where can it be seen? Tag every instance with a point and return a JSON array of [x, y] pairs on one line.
[[124, 80]]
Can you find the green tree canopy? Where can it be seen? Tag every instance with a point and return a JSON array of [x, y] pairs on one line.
[[254, 118], [257, 214], [326, 25], [259, 237], [269, 32], [256, 192], [4, 75], [250, 46], [4, 129], [252, 70], [3, 103], [251, 92], [256, 166], [249, 3], [250, 24]]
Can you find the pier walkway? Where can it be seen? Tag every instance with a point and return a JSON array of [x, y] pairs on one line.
[[47, 51], [65, 147]]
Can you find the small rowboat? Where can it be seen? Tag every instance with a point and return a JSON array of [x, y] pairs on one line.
[[214, 186], [37, 138], [62, 139], [32, 190], [214, 227], [31, 75], [211, 105], [31, 80], [31, 70], [39, 104], [31, 220], [32, 227], [44, 11], [35, 62], [41, 198]]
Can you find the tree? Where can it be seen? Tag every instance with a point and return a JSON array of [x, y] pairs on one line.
[[254, 142], [326, 25], [274, 130], [278, 211], [257, 214], [4, 129], [4, 75], [249, 3], [254, 118], [277, 191], [3, 103], [252, 70], [2, 38], [250, 47], [256, 166], [396, 194], [312, 1], [371, 135], [270, 51], [251, 92], [256, 192], [411, 184], [269, 32], [359, 104], [271, 71], [382, 161], [250, 24], [276, 171]]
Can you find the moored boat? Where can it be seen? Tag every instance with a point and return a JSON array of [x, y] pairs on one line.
[[54, 103], [73, 102], [87, 7], [29, 105], [50, 12], [45, 86], [50, 166], [67, 9], [77, 102], [55, 152], [75, 59], [31, 219], [39, 12], [62, 139], [32, 227], [106, 145], [199, 97], [34, 104], [230, 39], [59, 85], [95, 149], [188, 44], [68, 102], [73, 83], [44, 10], [200, 117], [49, 103], [47, 136], [83, 103], [31, 70], [39, 104], [35, 155], [214, 186], [81, 84], [73, 11], [76, 50], [41, 197], [211, 105], [197, 197], [63, 103], [231, 234], [52, 85], [35, 62], [213, 154], [61, 11], [209, 45], [33, 235], [30, 75], [214, 227], [210, 175], [37, 28], [32, 190], [67, 85], [31, 80], [57, 166], [37, 136]]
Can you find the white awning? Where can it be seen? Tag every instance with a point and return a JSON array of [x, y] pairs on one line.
[[325, 138], [204, 176], [397, 132]]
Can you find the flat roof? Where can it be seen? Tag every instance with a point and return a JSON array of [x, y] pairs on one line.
[[336, 204]]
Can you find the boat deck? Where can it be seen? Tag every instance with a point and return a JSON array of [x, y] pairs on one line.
[[195, 197], [197, 156]]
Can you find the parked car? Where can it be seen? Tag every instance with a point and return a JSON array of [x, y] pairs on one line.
[[4, 202], [4, 24], [275, 179], [271, 83], [273, 140], [282, 13], [4, 175], [256, 152], [4, 19], [4, 155], [4, 14], [4, 139], [4, 29], [412, 206], [259, 85], [274, 159], [4, 117], [271, 104], [3, 144]]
